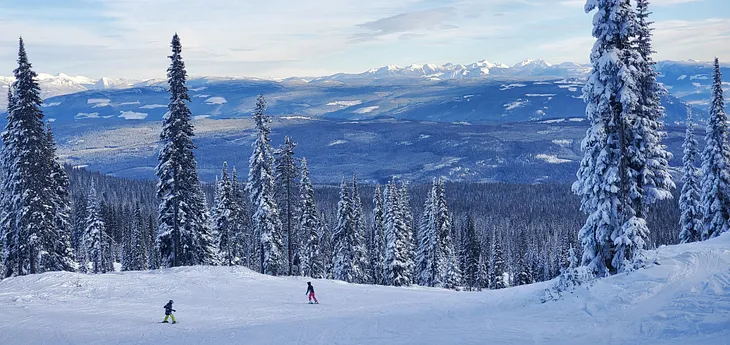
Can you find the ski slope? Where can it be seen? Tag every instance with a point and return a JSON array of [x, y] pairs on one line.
[[683, 299]]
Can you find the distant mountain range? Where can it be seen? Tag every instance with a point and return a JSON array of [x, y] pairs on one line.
[[477, 122]]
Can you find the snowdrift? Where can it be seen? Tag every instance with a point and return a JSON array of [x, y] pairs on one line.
[[682, 299]]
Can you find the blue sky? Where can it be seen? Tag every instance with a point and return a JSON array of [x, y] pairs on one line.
[[281, 38]]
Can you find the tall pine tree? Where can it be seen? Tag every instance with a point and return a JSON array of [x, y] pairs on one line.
[[266, 223], [34, 218], [286, 176], [309, 224], [96, 240], [689, 203], [344, 238], [184, 235], [361, 257], [377, 249], [398, 264], [608, 177], [716, 165]]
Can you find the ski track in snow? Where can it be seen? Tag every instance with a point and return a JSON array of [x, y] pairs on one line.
[[684, 299]]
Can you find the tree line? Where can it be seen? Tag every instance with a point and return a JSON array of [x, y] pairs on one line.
[[449, 235]]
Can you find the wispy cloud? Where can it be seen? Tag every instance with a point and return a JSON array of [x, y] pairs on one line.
[[293, 37]]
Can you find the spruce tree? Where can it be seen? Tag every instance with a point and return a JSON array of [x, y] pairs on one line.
[[266, 222], [344, 238], [471, 253], [184, 235], [241, 221], [223, 219], [139, 244], [716, 165], [608, 179], [34, 218], [377, 249], [651, 158], [361, 257], [497, 266], [95, 238], [309, 227], [689, 204], [286, 176], [398, 263], [449, 267], [428, 253]]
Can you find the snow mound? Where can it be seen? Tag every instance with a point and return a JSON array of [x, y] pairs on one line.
[[683, 298]]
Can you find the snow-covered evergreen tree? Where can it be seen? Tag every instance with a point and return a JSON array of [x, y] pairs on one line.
[[267, 228], [449, 263], [428, 253], [361, 257], [497, 267], [240, 222], [95, 237], [689, 203], [223, 223], [470, 255], [139, 249], [286, 176], [344, 238], [716, 165], [608, 177], [309, 226], [398, 263], [184, 236], [34, 206], [650, 159], [377, 249]]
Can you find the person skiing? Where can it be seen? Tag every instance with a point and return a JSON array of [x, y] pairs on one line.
[[168, 312], [310, 292]]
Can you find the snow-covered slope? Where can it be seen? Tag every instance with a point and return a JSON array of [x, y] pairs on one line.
[[682, 299]]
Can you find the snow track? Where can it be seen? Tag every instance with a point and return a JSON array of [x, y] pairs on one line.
[[684, 299]]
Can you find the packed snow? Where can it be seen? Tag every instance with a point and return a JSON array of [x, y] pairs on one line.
[[683, 298]]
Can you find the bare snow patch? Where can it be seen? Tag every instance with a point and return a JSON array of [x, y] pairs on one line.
[[445, 162], [216, 100], [153, 106], [511, 86], [337, 142], [366, 110], [99, 102], [682, 77], [552, 159], [52, 104], [563, 142], [132, 115], [516, 104], [553, 121], [80, 116], [129, 103], [345, 103], [296, 118], [540, 95]]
